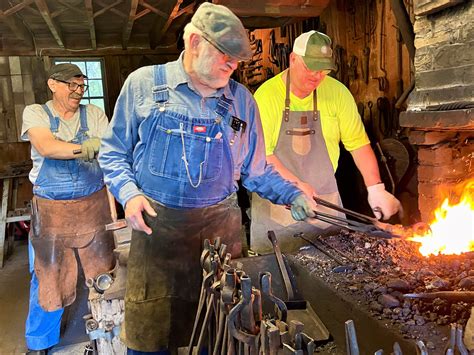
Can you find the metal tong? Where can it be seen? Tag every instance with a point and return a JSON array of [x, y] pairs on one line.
[[367, 224]]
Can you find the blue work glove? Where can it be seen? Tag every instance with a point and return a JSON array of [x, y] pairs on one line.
[[90, 148], [302, 207], [383, 203]]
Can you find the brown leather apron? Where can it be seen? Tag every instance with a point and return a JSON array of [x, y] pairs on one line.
[[164, 272], [302, 149], [61, 228]]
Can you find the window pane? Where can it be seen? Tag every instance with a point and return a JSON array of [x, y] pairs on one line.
[[94, 70], [84, 101], [81, 65], [95, 88], [98, 102]]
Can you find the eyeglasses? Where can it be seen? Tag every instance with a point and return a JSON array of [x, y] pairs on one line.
[[73, 86], [227, 58]]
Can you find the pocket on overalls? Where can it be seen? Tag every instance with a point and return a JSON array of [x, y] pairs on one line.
[[167, 157]]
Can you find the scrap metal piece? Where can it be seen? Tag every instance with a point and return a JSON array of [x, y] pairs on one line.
[[421, 347], [351, 338]]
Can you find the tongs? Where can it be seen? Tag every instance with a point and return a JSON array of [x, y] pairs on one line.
[[367, 224]]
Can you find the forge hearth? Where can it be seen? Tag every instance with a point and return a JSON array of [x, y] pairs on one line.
[[440, 116], [370, 287]]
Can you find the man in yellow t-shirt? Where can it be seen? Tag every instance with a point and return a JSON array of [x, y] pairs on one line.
[[305, 114]]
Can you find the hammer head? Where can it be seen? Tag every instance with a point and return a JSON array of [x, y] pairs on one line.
[[119, 224]]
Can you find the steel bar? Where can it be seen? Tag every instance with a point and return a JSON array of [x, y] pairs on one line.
[[455, 296], [352, 346]]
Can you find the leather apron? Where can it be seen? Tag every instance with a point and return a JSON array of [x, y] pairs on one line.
[[164, 272], [62, 228], [301, 148]]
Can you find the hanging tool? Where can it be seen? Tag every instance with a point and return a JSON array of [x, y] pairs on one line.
[[382, 73], [298, 309]]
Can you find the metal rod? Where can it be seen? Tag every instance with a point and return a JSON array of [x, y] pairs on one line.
[[465, 296], [351, 338]]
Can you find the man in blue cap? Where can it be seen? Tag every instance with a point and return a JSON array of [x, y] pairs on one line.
[[181, 136]]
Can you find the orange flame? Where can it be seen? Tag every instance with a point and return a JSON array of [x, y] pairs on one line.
[[452, 230]]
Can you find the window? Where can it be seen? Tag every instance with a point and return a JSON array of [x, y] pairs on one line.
[[93, 69]]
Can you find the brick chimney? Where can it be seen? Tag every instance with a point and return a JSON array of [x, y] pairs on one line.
[[440, 112]]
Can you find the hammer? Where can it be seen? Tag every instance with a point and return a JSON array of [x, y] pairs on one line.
[[119, 224]]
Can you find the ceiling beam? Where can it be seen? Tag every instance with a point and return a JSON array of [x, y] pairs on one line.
[[90, 21], [110, 7], [154, 9], [170, 19], [55, 29], [186, 10], [128, 26], [17, 7], [17, 27]]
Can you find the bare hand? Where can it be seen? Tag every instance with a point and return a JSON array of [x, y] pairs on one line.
[[134, 213]]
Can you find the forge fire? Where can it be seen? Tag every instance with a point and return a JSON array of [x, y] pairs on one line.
[[452, 230]]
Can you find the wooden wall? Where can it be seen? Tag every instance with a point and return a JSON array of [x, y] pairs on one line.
[[23, 82]]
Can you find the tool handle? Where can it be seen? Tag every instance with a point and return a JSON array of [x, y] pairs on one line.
[[358, 215], [281, 264]]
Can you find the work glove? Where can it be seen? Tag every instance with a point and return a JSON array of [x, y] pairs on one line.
[[90, 148], [302, 207], [383, 203]]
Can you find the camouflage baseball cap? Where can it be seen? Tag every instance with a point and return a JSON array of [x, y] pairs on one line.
[[223, 29], [315, 49], [65, 71]]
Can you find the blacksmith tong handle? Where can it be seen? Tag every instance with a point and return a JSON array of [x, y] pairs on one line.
[[367, 225]]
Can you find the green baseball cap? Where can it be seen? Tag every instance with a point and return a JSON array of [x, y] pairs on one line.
[[223, 29], [315, 49]]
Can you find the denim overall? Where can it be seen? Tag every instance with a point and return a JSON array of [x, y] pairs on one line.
[[187, 162], [189, 169], [57, 180], [301, 148]]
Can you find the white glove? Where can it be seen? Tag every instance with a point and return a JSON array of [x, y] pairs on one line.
[[383, 203]]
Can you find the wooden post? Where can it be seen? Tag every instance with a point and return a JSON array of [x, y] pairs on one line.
[[3, 218]]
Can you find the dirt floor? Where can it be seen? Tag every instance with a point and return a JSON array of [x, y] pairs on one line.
[[14, 295]]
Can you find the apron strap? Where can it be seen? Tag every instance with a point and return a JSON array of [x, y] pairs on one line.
[[160, 90], [53, 121], [286, 114]]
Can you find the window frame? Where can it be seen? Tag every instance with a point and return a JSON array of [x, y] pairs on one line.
[[76, 60]]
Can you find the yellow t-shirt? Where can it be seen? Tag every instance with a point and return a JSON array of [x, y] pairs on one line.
[[340, 119]]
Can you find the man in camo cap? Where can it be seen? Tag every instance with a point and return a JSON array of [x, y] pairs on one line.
[[182, 135]]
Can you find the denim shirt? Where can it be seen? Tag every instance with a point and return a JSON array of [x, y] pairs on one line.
[[123, 155]]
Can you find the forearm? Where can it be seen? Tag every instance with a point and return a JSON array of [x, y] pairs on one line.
[[282, 170], [366, 162], [55, 149]]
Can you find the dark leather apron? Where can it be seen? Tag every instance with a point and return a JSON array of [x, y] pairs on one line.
[[302, 149], [164, 272], [60, 228]]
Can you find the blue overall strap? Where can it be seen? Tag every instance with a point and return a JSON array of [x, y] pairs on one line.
[[53, 121], [224, 104], [160, 90], [83, 118]]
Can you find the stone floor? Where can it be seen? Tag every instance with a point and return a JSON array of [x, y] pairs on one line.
[[14, 289]]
